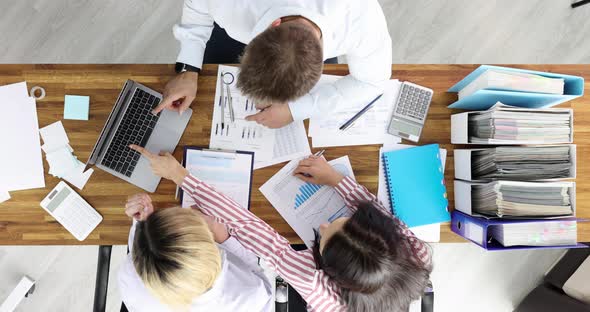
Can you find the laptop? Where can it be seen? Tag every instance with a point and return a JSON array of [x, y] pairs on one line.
[[131, 122]]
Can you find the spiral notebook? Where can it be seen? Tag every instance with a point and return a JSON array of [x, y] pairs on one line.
[[416, 185]]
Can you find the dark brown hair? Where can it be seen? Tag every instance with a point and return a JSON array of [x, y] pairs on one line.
[[281, 64], [367, 259]]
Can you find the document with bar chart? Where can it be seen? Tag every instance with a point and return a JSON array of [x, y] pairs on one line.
[[305, 205]]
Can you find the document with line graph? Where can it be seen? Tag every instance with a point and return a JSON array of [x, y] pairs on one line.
[[305, 205]]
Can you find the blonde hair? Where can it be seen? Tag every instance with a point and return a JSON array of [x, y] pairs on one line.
[[175, 256]]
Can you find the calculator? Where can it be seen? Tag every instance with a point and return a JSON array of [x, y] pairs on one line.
[[410, 110], [71, 211]]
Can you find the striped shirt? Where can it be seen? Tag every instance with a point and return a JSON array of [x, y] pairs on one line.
[[298, 268]]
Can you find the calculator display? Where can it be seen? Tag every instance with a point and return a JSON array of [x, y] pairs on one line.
[[404, 127], [58, 199]]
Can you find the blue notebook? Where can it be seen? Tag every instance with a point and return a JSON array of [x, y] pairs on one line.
[[415, 182]]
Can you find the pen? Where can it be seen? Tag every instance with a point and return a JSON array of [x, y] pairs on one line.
[[349, 123], [222, 101]]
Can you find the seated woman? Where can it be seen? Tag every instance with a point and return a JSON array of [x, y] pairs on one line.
[[174, 264], [367, 262]]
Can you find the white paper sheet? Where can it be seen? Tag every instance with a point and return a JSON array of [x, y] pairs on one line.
[[58, 153], [21, 165], [428, 233], [290, 143], [303, 205], [61, 162], [228, 173], [78, 177], [4, 196], [371, 128], [241, 134], [54, 136], [352, 140]]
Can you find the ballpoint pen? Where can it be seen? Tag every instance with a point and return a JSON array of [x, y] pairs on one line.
[[351, 121]]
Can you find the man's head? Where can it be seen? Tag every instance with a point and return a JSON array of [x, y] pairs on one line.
[[282, 63], [175, 255], [364, 255]]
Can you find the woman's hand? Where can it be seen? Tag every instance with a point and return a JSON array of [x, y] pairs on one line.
[[220, 233], [139, 206], [163, 165], [316, 170]]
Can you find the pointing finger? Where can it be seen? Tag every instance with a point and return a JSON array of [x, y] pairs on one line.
[[142, 151], [167, 101]]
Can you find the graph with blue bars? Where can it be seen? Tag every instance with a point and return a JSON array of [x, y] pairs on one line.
[[305, 192]]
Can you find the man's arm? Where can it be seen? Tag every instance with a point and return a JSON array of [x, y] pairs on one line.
[[193, 32], [369, 62], [296, 267]]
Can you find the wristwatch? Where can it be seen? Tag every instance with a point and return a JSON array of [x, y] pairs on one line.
[[182, 67]]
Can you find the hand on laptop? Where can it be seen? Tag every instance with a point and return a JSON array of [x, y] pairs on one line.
[[139, 206], [273, 116], [163, 165], [316, 170], [179, 93]]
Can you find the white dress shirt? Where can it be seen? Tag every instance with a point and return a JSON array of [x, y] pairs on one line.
[[352, 28], [241, 286]]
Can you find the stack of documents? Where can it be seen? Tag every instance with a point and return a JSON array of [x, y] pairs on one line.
[[21, 165], [536, 233], [62, 163], [513, 81], [523, 199], [370, 128], [507, 124], [522, 163]]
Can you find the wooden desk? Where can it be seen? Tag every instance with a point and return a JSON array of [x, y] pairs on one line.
[[23, 222]]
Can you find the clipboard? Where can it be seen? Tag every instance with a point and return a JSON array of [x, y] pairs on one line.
[[229, 172]]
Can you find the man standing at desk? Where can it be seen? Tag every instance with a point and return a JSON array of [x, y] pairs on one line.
[[287, 43]]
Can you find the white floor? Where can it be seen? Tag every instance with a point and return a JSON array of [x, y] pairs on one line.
[[424, 31]]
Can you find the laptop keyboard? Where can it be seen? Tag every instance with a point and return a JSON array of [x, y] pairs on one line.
[[135, 128]]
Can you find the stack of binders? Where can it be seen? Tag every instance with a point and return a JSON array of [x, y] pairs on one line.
[[521, 195]]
